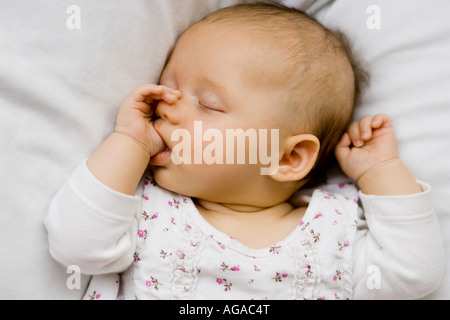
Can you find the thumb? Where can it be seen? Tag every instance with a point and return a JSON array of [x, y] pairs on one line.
[[343, 148]]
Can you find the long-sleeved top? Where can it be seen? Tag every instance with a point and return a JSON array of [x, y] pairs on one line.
[[156, 245]]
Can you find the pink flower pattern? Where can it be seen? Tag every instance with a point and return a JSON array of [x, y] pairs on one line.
[[234, 271]]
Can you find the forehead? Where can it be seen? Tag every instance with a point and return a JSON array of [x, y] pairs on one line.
[[204, 49], [223, 51]]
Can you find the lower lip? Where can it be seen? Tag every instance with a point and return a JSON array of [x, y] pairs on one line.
[[161, 157]]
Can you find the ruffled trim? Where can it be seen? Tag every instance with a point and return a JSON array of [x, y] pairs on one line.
[[185, 272], [347, 287], [307, 269]]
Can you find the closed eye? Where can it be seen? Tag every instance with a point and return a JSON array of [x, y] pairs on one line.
[[207, 107]]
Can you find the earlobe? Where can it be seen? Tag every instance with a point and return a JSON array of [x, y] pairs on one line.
[[299, 156]]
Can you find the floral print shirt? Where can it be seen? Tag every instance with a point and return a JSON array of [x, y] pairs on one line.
[[181, 256], [156, 245]]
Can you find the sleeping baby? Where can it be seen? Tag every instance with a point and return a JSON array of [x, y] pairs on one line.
[[147, 226]]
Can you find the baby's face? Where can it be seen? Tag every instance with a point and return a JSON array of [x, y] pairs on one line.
[[217, 72]]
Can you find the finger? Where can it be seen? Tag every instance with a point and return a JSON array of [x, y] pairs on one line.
[[170, 95], [343, 147], [142, 93], [172, 90], [365, 127], [344, 142], [355, 134], [167, 97], [149, 92], [381, 120]]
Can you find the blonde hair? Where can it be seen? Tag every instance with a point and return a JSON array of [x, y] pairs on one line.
[[321, 71]]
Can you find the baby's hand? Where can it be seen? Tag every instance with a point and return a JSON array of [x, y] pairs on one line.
[[367, 145], [135, 115]]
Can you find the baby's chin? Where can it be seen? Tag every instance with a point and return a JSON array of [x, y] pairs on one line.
[[167, 179], [192, 187], [236, 184]]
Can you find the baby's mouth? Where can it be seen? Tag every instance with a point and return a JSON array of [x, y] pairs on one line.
[[161, 157]]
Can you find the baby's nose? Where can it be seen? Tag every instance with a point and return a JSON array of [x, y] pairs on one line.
[[170, 112]]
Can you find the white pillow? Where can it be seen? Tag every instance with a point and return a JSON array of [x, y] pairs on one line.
[[406, 44]]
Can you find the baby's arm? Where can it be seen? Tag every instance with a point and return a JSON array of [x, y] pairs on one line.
[[91, 220], [121, 160], [398, 252], [368, 154], [92, 226]]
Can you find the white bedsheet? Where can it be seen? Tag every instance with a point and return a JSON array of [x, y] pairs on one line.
[[60, 89]]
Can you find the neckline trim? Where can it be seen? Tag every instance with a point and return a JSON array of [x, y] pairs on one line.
[[236, 245]]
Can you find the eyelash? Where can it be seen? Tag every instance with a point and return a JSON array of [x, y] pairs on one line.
[[206, 107]]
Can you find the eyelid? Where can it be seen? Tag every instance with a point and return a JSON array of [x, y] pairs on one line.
[[208, 106], [205, 106]]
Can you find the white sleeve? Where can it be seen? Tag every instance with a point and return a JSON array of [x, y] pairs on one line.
[[399, 251], [92, 226]]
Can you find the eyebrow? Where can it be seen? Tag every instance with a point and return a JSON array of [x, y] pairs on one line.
[[224, 95], [215, 85]]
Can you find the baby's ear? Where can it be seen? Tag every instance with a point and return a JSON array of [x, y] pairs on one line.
[[299, 156]]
